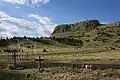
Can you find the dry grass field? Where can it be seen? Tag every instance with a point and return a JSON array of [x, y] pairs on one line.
[[54, 58]]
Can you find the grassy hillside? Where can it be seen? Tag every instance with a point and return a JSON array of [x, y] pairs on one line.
[[11, 75], [105, 36]]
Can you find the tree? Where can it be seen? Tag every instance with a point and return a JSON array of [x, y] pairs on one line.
[[29, 47], [25, 37], [44, 50], [3, 43]]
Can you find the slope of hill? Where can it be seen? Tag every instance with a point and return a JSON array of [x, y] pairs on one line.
[[31, 43], [91, 33]]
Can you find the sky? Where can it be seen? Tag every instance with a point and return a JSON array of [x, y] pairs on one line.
[[36, 18]]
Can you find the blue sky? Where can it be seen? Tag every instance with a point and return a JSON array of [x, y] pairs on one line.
[[49, 13]]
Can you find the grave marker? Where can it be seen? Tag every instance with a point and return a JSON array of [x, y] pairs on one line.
[[39, 63], [14, 59]]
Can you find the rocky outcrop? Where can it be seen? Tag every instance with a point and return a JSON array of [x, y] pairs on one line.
[[76, 26], [117, 23]]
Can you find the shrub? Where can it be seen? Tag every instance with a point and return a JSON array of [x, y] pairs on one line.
[[88, 36], [21, 45], [10, 66], [44, 50], [29, 47], [87, 40]]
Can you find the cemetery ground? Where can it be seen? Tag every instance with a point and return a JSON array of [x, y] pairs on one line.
[[62, 64]]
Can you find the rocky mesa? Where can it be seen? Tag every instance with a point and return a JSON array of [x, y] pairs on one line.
[[76, 26]]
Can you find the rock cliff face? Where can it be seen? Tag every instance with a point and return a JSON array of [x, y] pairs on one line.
[[76, 26]]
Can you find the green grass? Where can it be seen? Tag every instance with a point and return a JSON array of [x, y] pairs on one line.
[[78, 56], [67, 54], [11, 75]]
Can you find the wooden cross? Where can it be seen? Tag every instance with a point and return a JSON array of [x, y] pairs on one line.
[[39, 62], [14, 59]]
